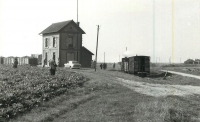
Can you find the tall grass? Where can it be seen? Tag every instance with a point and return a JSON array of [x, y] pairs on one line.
[[165, 110]]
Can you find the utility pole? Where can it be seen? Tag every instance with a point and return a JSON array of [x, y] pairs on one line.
[[77, 31], [172, 31], [154, 31], [156, 60], [104, 57], [97, 46]]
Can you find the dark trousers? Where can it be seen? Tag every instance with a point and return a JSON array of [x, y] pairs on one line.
[[52, 71]]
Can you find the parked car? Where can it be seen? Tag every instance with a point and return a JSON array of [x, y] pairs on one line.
[[72, 65]]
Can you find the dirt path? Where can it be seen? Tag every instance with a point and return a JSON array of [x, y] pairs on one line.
[[183, 74], [152, 89], [160, 90]]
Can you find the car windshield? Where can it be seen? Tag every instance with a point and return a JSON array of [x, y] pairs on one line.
[[74, 62]]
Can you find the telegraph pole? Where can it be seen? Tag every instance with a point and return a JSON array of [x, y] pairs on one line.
[[154, 31], [104, 57], [172, 60], [77, 31], [97, 47]]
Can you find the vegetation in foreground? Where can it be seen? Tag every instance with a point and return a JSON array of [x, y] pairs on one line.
[[103, 99], [23, 88], [169, 109]]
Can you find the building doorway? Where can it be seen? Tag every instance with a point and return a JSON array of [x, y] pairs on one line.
[[70, 56]]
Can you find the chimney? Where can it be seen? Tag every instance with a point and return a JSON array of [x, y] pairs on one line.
[[78, 23]]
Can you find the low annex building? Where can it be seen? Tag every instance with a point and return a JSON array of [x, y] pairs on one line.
[[62, 42]]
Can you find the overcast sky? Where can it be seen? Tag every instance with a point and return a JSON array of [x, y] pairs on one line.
[[123, 23]]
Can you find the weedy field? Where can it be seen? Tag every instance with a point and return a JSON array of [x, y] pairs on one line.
[[103, 97], [26, 87]]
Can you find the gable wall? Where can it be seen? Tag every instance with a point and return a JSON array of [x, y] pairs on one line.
[[50, 49]]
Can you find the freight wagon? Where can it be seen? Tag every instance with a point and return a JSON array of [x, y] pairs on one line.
[[136, 65]]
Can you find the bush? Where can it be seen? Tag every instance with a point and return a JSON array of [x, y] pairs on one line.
[[25, 87]]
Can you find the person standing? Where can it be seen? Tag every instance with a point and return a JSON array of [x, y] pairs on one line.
[[104, 66], [52, 67], [101, 66], [44, 62], [15, 63], [114, 65]]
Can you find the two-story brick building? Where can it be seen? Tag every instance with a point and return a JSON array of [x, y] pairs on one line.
[[63, 42]]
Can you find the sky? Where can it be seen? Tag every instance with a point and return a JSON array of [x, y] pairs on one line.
[[123, 24]]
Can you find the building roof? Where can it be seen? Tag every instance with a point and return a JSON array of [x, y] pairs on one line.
[[25, 57], [56, 27], [11, 57], [87, 50]]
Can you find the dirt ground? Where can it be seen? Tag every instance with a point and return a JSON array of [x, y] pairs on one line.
[[111, 95], [160, 90]]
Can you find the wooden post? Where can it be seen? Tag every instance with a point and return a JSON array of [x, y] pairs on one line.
[[77, 31], [97, 46], [104, 57]]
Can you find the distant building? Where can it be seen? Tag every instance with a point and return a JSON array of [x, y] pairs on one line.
[[60, 43], [1, 60], [38, 56], [189, 61], [197, 61], [21, 60], [9, 60]]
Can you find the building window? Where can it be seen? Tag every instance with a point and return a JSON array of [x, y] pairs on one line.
[[70, 41], [46, 42], [54, 41]]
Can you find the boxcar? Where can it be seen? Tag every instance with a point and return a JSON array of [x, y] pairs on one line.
[[136, 64]]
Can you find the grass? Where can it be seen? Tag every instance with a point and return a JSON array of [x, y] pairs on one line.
[[103, 99], [164, 110]]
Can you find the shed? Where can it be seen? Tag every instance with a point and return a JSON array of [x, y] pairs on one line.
[[86, 57]]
